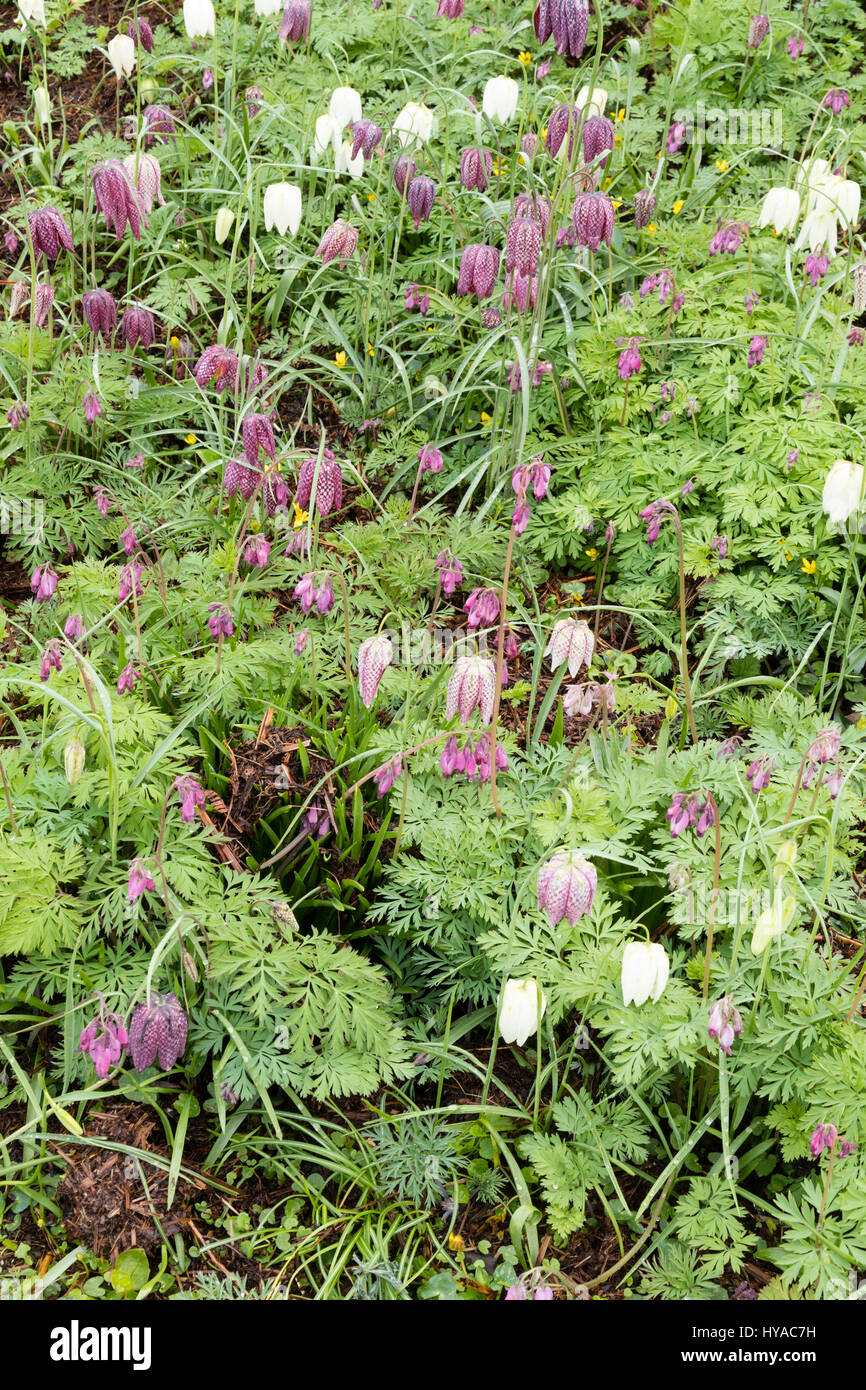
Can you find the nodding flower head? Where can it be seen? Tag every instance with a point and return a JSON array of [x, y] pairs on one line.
[[116, 198], [566, 887], [329, 487], [140, 32], [313, 589], [403, 171], [374, 656], [725, 1023], [340, 241], [759, 28], [51, 660], [728, 239], [253, 97], [643, 203], [367, 136], [450, 572], [257, 551], [127, 678], [825, 1137], [158, 124], [475, 168], [49, 232], [563, 122], [759, 773], [569, 20], [523, 245], [100, 311], [103, 1040], [482, 606], [593, 219], [580, 700], [450, 9], [420, 196], [597, 136], [520, 291], [542, 20], [157, 1031], [479, 267], [296, 22], [571, 643], [238, 477], [472, 686], [145, 174], [219, 365], [257, 433], [138, 326], [191, 794], [756, 350], [835, 100]]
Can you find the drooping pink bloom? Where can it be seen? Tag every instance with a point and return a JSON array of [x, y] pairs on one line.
[[728, 238], [129, 540], [824, 1137], [817, 265], [43, 583], [520, 290], [725, 1023], [74, 628], [482, 607], [17, 414], [450, 572], [566, 887], [141, 33], [795, 46], [569, 20], [116, 198], [629, 363], [643, 203], [687, 810], [127, 678], [374, 656], [257, 551], [157, 1030], [756, 350], [103, 1040], [472, 686], [572, 643], [340, 241], [220, 621], [563, 122], [759, 28], [430, 459], [387, 775], [836, 100], [140, 880], [580, 700], [49, 232], [51, 660], [403, 171], [450, 9], [759, 773], [130, 582], [191, 794]]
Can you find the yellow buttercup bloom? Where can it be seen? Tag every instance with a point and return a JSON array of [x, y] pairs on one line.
[[620, 115], [593, 554], [721, 165], [861, 722], [651, 228], [340, 360], [485, 418], [300, 516], [175, 342], [524, 58], [190, 439], [809, 566], [617, 139], [678, 205], [371, 350]]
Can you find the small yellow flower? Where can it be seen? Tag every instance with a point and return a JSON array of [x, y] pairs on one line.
[[524, 58], [340, 360], [191, 439], [544, 132], [175, 342], [371, 350], [809, 566], [608, 182], [255, 525], [593, 553], [788, 556], [861, 722], [620, 115], [371, 197], [650, 228], [456, 1241], [616, 204], [300, 516], [485, 418], [721, 165], [617, 139], [392, 410], [679, 205]]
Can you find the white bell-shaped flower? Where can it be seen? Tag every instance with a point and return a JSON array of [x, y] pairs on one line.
[[843, 491], [199, 19], [645, 970], [282, 208], [523, 1006], [499, 102]]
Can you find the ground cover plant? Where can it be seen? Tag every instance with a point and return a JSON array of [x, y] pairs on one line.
[[432, 707]]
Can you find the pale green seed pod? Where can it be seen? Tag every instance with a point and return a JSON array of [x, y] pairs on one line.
[[73, 760]]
